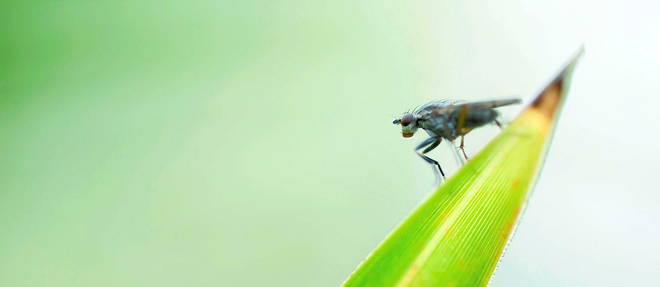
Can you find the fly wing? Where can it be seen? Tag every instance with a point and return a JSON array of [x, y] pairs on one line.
[[475, 114], [447, 107], [488, 104], [432, 109], [435, 105]]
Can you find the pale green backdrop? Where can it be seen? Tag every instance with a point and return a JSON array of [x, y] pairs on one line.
[[249, 143]]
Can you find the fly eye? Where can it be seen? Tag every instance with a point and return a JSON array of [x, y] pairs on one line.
[[406, 119]]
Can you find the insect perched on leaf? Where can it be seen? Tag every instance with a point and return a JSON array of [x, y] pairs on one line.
[[449, 120]]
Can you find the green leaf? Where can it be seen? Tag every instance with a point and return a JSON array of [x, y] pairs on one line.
[[457, 236]]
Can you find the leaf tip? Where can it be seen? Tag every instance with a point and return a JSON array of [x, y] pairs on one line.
[[550, 98]]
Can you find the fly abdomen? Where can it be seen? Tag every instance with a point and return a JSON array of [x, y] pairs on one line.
[[479, 117]]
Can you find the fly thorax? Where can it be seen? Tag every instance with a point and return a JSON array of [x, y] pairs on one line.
[[437, 126], [451, 130]]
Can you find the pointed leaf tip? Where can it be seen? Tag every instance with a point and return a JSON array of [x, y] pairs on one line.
[[549, 100]]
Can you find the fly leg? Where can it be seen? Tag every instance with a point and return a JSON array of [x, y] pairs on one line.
[[462, 146], [499, 125], [431, 143]]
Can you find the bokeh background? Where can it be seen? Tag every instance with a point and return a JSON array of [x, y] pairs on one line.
[[249, 143]]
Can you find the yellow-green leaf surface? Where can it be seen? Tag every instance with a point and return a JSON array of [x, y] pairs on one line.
[[457, 236]]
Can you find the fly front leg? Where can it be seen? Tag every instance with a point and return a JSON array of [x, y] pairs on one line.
[[433, 142]]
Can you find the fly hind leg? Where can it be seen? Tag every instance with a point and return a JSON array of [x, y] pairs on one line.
[[431, 143], [462, 147], [499, 125]]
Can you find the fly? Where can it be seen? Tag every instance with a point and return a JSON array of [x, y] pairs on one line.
[[449, 120]]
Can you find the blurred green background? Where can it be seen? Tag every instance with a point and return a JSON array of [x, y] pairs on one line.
[[249, 143]]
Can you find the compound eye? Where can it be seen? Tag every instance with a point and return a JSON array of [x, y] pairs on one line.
[[406, 119]]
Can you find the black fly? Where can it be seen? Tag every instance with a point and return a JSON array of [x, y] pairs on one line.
[[449, 120]]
